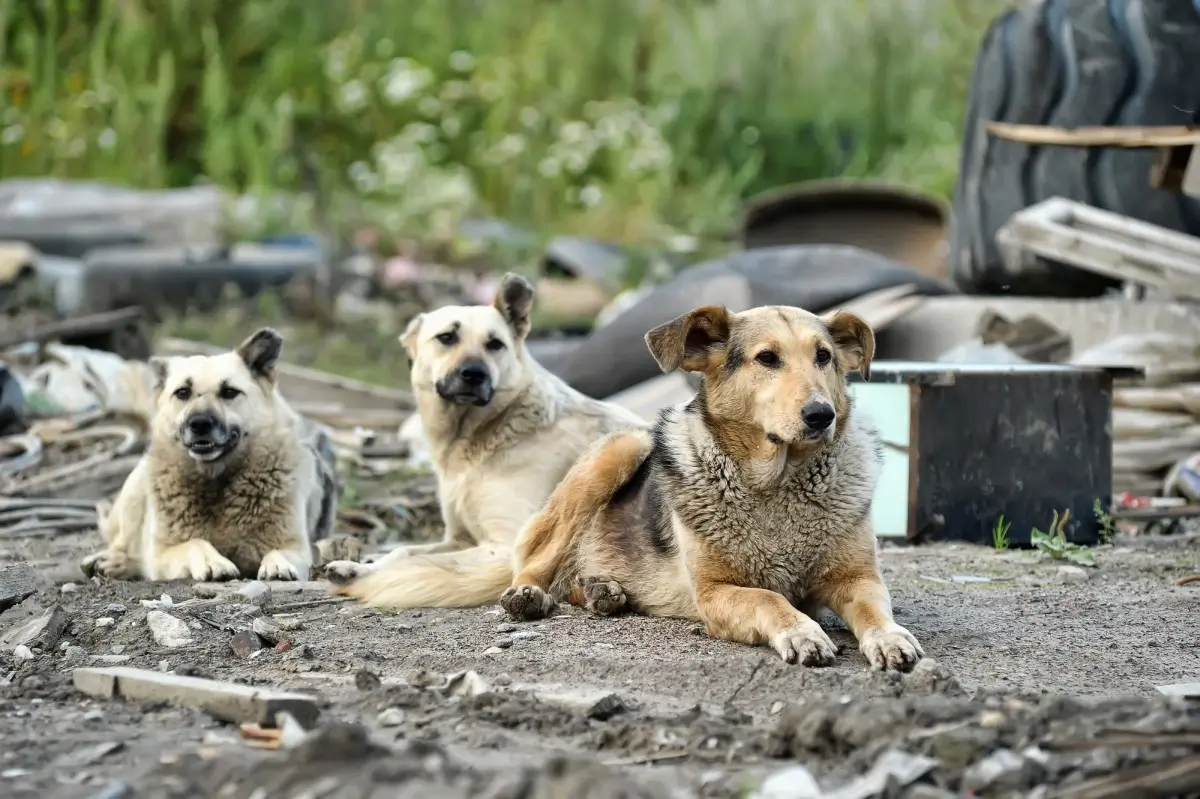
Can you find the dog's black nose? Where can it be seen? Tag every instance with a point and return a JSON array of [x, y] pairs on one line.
[[201, 425], [473, 374], [817, 415]]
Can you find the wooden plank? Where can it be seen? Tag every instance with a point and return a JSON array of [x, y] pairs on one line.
[[1097, 136], [72, 328], [224, 700]]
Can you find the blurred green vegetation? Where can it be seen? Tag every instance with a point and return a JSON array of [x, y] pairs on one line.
[[638, 120]]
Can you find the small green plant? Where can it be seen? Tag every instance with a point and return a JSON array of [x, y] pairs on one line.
[[1055, 544], [1108, 528], [1000, 533]]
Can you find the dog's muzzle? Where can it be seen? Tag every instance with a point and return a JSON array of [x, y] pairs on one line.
[[206, 438], [469, 384]]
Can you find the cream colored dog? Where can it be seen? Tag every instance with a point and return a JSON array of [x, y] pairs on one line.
[[502, 432], [228, 487]]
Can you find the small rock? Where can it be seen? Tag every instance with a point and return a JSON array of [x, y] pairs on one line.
[[94, 715], [925, 791], [493, 650], [167, 630], [282, 646], [1073, 574], [115, 610], [111, 660], [1002, 770], [164, 665], [166, 601], [267, 629], [930, 677], [503, 642], [288, 623], [776, 708], [502, 680], [117, 649], [793, 782], [466, 683], [366, 680], [69, 588], [424, 678], [13, 773], [18, 582], [392, 717], [21, 654], [246, 643], [302, 652], [990, 719], [75, 653], [255, 593], [105, 621], [506, 627], [525, 635], [118, 790]]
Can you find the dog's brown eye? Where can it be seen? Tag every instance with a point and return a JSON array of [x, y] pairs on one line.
[[768, 358], [494, 344], [183, 393], [229, 393], [447, 339], [824, 356]]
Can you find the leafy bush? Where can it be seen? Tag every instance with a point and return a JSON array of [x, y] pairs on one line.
[[630, 118]]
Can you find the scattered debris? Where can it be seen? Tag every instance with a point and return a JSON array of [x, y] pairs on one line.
[[254, 593], [465, 683], [893, 769], [223, 700], [392, 717], [1187, 690], [40, 633], [595, 704], [793, 782], [246, 644]]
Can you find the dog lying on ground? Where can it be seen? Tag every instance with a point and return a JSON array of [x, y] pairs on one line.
[[228, 487], [502, 431], [739, 507]]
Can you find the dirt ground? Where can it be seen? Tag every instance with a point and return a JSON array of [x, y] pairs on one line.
[[680, 714]]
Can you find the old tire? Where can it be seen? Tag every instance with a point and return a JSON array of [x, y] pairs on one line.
[[1071, 63]]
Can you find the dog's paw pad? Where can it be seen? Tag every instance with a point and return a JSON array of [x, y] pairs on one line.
[[891, 648], [805, 643], [527, 602], [603, 596], [341, 572], [215, 568]]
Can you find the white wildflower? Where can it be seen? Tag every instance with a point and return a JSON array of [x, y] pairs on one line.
[[590, 195], [13, 134], [429, 106], [352, 96], [549, 167], [530, 117], [452, 126], [107, 139], [461, 61]]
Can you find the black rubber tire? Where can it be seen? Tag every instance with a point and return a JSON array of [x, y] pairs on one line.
[[1071, 63]]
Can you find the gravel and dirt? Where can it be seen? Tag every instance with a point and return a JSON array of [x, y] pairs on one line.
[[1026, 673]]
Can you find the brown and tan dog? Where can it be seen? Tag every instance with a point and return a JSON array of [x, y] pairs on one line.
[[741, 506]]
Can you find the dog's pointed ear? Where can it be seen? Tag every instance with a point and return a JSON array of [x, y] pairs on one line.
[[692, 342], [855, 341], [408, 339], [158, 369], [261, 352], [514, 301]]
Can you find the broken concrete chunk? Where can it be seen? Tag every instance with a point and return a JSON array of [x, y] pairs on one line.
[[594, 704], [268, 630], [893, 768], [1002, 770], [18, 582], [255, 593], [223, 700], [42, 632], [167, 630], [466, 683], [1185, 690], [392, 717]]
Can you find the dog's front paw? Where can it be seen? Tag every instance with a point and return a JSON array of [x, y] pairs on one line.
[[276, 566], [602, 596], [891, 647], [804, 643], [342, 572], [103, 564], [527, 602]]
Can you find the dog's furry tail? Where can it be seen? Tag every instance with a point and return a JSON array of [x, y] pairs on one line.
[[467, 578]]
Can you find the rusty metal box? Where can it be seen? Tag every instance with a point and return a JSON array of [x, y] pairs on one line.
[[965, 443]]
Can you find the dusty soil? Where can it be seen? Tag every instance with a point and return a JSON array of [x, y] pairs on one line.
[[688, 715]]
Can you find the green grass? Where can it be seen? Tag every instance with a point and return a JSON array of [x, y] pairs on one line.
[[641, 122], [1000, 533], [1055, 544]]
